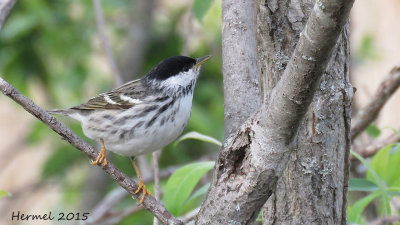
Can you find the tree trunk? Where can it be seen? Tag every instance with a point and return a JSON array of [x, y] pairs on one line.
[[300, 133], [313, 189]]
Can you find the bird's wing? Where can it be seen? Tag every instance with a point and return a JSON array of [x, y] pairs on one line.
[[123, 97]]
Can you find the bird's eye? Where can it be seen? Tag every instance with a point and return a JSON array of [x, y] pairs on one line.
[[186, 69]]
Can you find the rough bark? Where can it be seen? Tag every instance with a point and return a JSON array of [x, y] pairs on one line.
[[252, 160], [313, 188], [241, 91]]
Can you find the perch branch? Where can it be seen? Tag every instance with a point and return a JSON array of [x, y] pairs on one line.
[[103, 209], [123, 180], [106, 44], [368, 113]]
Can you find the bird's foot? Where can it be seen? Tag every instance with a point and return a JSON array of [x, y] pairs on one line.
[[102, 157], [143, 187]]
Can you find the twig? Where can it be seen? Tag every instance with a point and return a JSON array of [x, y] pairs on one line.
[[123, 180], [106, 44], [5, 9], [375, 146], [368, 113], [156, 157], [385, 220], [103, 209], [189, 216], [117, 216]]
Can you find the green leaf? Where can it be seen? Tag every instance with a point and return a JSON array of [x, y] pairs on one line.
[[361, 184], [4, 193], [367, 49], [200, 8], [373, 131], [199, 192], [377, 180], [380, 162], [18, 26], [373, 175], [392, 177], [181, 184], [200, 137], [356, 210]]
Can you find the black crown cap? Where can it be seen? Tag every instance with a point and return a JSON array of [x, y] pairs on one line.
[[170, 67]]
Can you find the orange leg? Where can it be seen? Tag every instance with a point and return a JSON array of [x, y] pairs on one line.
[[141, 183], [102, 157]]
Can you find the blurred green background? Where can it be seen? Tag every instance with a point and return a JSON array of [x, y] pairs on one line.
[[51, 51]]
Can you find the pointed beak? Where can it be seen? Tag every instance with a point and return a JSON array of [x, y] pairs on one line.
[[202, 60]]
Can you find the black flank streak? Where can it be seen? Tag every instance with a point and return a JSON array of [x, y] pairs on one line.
[[94, 120], [150, 108], [123, 120], [160, 111], [114, 131], [132, 131], [96, 129], [188, 89], [122, 134], [138, 125], [107, 117], [166, 106], [161, 99], [151, 121]]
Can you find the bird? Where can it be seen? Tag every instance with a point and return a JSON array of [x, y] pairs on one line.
[[143, 115]]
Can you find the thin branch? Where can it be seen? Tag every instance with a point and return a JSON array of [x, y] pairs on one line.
[[386, 220], [106, 44], [189, 216], [117, 216], [369, 112], [104, 208], [123, 180], [375, 146], [5, 8], [156, 170]]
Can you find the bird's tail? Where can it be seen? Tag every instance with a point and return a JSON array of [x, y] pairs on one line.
[[64, 112]]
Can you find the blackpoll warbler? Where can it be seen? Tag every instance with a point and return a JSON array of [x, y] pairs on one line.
[[142, 115]]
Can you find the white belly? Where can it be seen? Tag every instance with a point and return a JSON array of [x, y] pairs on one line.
[[146, 138]]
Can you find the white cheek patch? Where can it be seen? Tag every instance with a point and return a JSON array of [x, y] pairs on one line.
[[129, 99], [182, 79]]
